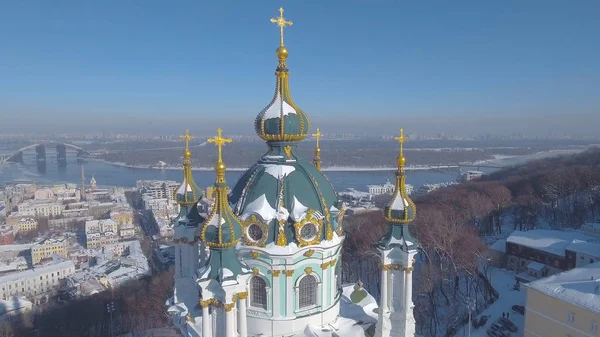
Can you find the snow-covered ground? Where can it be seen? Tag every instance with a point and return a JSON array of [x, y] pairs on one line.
[[357, 314], [503, 281]]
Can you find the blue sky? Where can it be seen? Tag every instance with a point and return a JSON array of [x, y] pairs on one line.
[[105, 61]]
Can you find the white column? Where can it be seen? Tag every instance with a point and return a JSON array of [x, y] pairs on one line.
[[324, 288], [242, 325], [384, 290], [206, 322], [400, 290], [291, 295], [408, 292], [276, 286], [392, 291], [229, 328]]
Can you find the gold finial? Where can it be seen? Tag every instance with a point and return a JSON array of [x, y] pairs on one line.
[[317, 135], [187, 138], [220, 166], [401, 140], [280, 21], [317, 160]]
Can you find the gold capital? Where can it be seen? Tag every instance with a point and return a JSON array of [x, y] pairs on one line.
[[280, 21], [289, 273], [276, 273]]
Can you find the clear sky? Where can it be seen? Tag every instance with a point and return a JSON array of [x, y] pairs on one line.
[[118, 64]]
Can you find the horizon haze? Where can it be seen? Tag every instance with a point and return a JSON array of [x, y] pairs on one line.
[[148, 66]]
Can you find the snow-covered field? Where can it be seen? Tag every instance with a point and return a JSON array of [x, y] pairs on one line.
[[503, 281]]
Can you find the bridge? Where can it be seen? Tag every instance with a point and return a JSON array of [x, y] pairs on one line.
[[40, 148]]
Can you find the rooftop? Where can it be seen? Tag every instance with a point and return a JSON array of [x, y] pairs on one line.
[[550, 241], [37, 271], [579, 286]]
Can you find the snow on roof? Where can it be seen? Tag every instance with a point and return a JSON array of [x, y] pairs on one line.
[[579, 286], [536, 266], [278, 107], [15, 248], [278, 171], [499, 245], [298, 210], [585, 247], [37, 271], [551, 241], [261, 207], [14, 304]]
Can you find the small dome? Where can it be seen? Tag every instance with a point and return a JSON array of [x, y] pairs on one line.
[[222, 229], [282, 119], [401, 209]]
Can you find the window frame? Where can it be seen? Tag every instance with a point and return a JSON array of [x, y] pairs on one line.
[[252, 293], [318, 293]]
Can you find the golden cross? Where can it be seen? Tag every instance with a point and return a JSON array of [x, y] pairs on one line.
[[401, 139], [187, 138], [318, 135], [219, 142], [280, 21]]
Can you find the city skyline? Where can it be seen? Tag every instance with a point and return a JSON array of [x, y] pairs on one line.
[[469, 68]]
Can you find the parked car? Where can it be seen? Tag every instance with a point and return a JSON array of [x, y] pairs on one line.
[[493, 333], [502, 331], [519, 309], [507, 323]]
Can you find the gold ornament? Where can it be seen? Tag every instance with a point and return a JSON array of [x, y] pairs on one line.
[[308, 270], [289, 273]]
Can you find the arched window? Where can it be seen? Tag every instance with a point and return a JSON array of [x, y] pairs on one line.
[[258, 292], [307, 291]]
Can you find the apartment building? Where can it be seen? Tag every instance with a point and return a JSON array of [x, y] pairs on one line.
[[33, 282], [27, 225], [47, 248], [540, 253], [564, 305]]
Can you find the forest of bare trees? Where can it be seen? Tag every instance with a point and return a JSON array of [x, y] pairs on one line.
[[452, 265], [139, 306]]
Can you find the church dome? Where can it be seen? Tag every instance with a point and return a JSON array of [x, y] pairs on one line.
[[285, 194], [401, 210], [282, 119], [188, 193]]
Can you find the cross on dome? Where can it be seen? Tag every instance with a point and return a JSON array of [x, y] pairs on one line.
[[317, 135], [401, 139], [280, 21], [219, 141], [187, 138]]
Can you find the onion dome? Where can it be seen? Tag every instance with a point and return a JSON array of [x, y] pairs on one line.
[[188, 192], [401, 210], [222, 229], [282, 119]]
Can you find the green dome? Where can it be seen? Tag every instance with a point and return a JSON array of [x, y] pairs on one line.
[[282, 119], [222, 229], [285, 189]]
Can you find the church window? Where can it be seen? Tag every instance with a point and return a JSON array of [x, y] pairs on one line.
[[307, 292], [308, 231], [255, 233], [258, 292]]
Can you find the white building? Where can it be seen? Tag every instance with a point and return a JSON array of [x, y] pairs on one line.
[[99, 233], [33, 282], [127, 231], [41, 209]]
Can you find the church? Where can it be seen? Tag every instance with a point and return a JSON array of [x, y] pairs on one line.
[[264, 257]]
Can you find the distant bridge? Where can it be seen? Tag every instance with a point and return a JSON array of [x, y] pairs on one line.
[[17, 156]]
